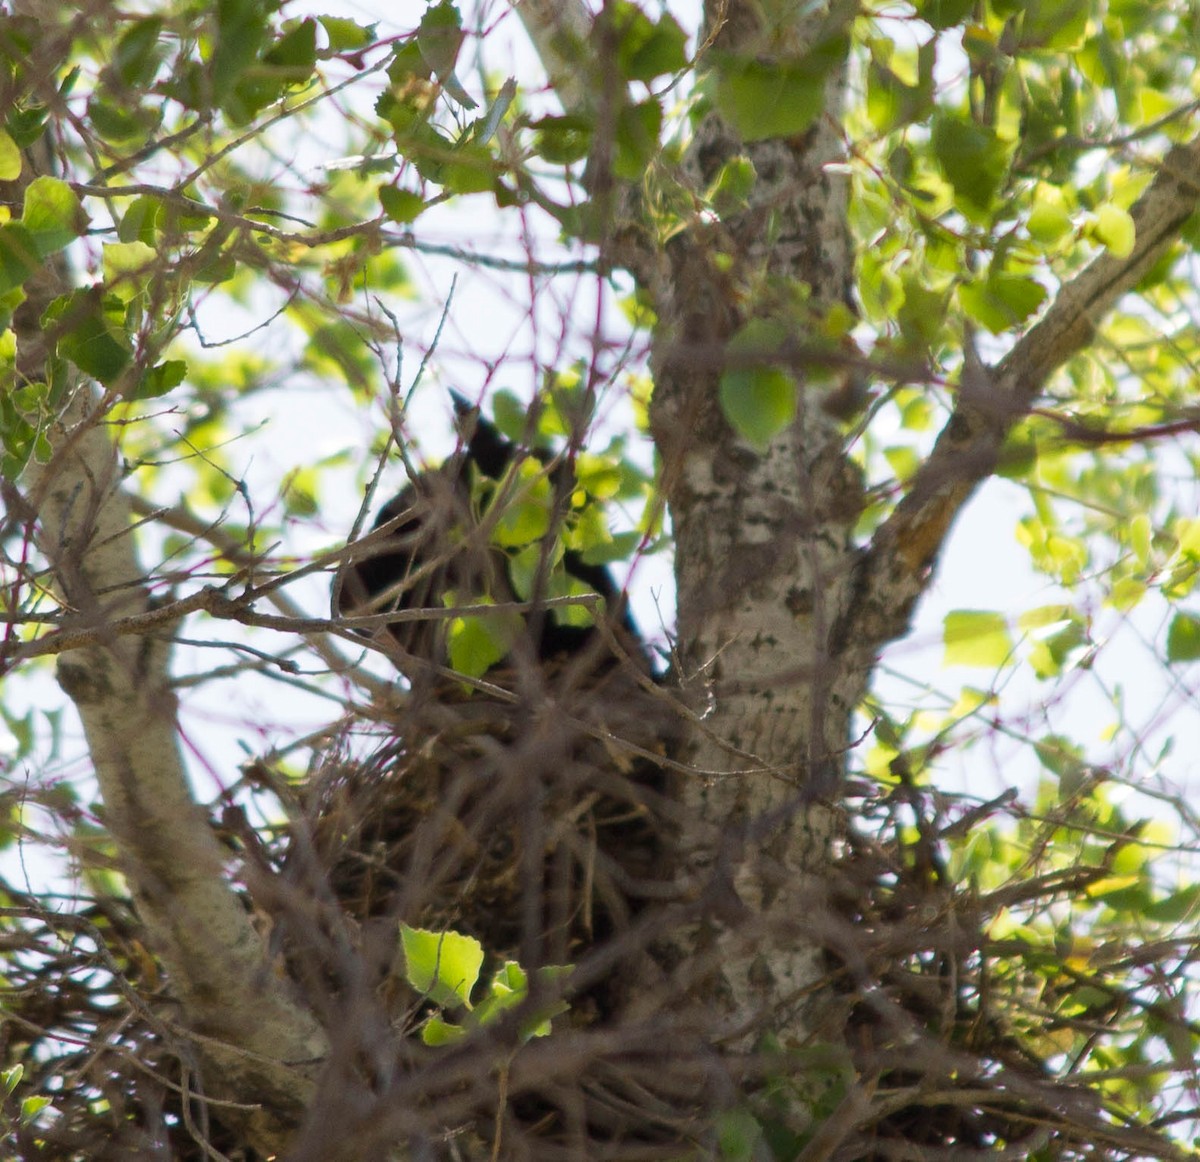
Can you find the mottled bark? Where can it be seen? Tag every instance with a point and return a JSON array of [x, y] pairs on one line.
[[765, 560]]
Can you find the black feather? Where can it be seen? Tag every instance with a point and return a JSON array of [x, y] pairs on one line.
[[426, 542]]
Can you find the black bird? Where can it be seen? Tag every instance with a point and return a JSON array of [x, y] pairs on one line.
[[428, 549]]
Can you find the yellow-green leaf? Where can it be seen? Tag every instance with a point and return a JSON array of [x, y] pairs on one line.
[[443, 966], [477, 643], [10, 158], [52, 214], [1114, 227], [976, 637], [1049, 219], [401, 206], [1183, 638]]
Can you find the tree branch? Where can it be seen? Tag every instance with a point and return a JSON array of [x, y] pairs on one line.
[[897, 567], [258, 1040], [559, 30]]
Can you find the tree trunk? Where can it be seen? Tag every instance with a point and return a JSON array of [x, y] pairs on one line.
[[765, 560], [262, 1046]]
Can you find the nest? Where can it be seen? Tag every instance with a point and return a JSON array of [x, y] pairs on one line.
[[536, 827]]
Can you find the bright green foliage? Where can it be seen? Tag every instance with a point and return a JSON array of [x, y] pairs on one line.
[[524, 503], [758, 397], [976, 637], [1183, 638], [647, 48], [401, 206], [974, 160], [247, 256], [444, 967], [894, 100], [10, 158], [478, 642], [439, 38], [51, 219], [775, 98]]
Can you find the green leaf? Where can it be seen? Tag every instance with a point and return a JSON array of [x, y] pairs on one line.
[[1048, 657], [86, 335], [25, 125], [510, 415], [467, 169], [52, 215], [160, 379], [637, 139], [730, 189], [976, 637], [758, 398], [903, 461], [974, 160], [127, 266], [437, 1031], [11, 1078], [119, 121], [739, 1136], [563, 140], [943, 14], [1049, 219], [1045, 615], [1018, 455], [600, 475], [1126, 593], [537, 564], [345, 35], [922, 314], [758, 401], [33, 1105], [1110, 885], [1115, 229], [476, 643], [241, 32], [647, 49], [1141, 538], [891, 102], [1183, 638], [1002, 301], [1063, 758], [771, 99], [526, 515], [18, 256], [617, 548], [142, 221], [138, 52], [444, 966], [294, 55], [401, 206], [484, 128], [1176, 907], [1059, 25], [510, 988], [439, 38], [10, 158]]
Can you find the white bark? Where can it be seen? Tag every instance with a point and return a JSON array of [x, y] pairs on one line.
[[764, 556], [560, 30]]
